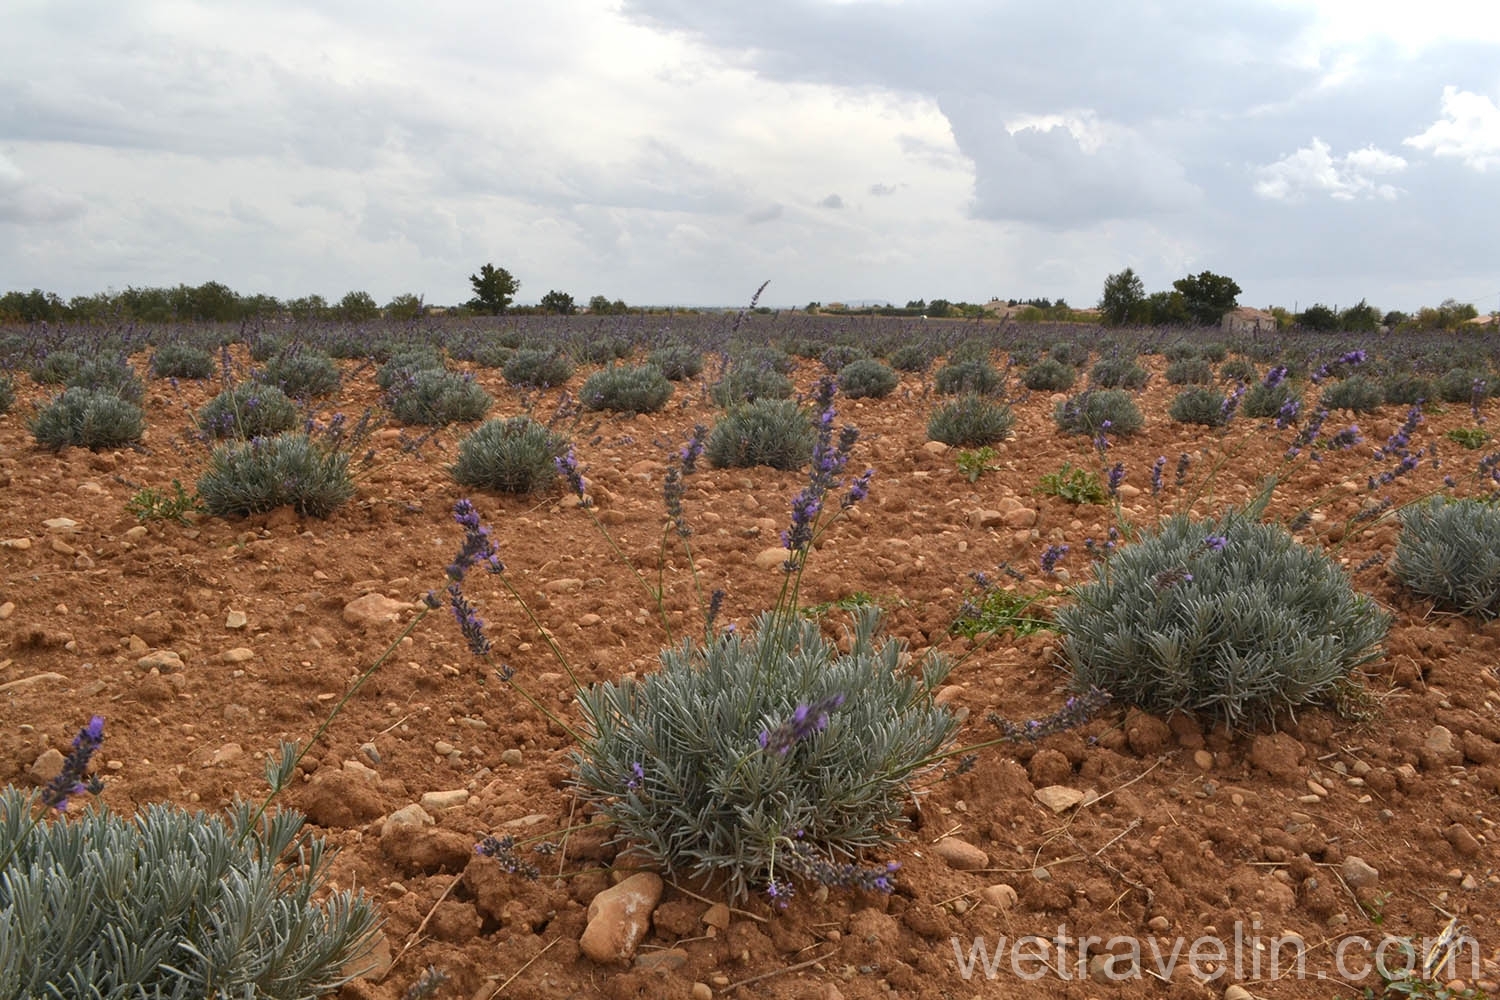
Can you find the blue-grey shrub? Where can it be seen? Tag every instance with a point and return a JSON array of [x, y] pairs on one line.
[[640, 389], [109, 375], [1118, 373], [866, 377], [957, 377], [1198, 404], [434, 397], [302, 373], [7, 394], [1407, 389], [1048, 375], [1356, 393], [1189, 371], [911, 358], [970, 421], [675, 760], [1238, 370], [839, 356], [264, 473], [1261, 400], [538, 367], [1068, 353], [747, 384], [1450, 551], [1228, 617], [247, 410], [677, 361], [172, 904], [513, 455], [1457, 384], [1086, 413], [87, 418], [405, 363], [56, 367], [774, 432], [180, 360]]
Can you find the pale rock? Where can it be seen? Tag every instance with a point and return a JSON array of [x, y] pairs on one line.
[[589, 620], [19, 544], [1000, 895], [46, 767], [46, 677], [374, 609], [717, 916], [1358, 872], [61, 525], [511, 757], [1234, 991], [413, 816], [1059, 798], [224, 754], [137, 645], [361, 770], [563, 585], [7, 609], [1017, 520], [62, 548], [935, 448], [236, 619], [238, 654], [618, 918], [165, 660], [960, 855], [438, 801], [771, 558], [1204, 760], [137, 532], [986, 518]]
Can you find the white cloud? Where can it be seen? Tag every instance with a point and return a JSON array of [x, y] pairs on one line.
[[1314, 169], [25, 202], [1468, 130]]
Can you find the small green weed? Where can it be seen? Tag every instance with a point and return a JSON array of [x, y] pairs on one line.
[[1469, 437], [1073, 485], [849, 602], [976, 463], [999, 611], [152, 504]]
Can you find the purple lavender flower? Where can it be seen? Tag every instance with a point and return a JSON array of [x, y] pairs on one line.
[[779, 892], [694, 448], [1156, 470], [715, 605], [1353, 358], [801, 859], [1230, 404], [1076, 710], [503, 850], [1288, 413], [567, 467], [1051, 557], [1169, 578], [478, 547], [637, 776], [1275, 376], [805, 720], [74, 778], [1215, 542], [1346, 438], [858, 489], [1115, 478], [469, 622], [1308, 434]]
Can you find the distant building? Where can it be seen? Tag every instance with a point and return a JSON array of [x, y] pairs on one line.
[[1247, 320]]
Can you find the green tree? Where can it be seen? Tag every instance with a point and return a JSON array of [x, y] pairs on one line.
[[308, 307], [494, 290], [31, 307], [1123, 299], [1207, 296], [1318, 317], [1167, 308], [1362, 318], [938, 308], [558, 302], [405, 307], [357, 307]]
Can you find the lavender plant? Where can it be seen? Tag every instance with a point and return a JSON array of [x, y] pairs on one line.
[[538, 368], [867, 378], [643, 389], [1449, 550], [435, 397], [179, 360], [774, 432], [514, 455], [302, 373], [677, 361], [7, 394], [247, 410], [87, 418], [288, 470], [972, 420], [1093, 410], [1048, 375], [973, 376]]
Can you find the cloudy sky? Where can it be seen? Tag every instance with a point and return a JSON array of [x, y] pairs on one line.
[[684, 151]]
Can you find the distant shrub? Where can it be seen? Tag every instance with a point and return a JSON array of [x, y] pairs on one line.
[[1086, 413], [1068, 353], [264, 473], [1049, 376], [1404, 390], [515, 455], [181, 361], [746, 385], [488, 355], [302, 373], [1213, 351], [868, 377], [1449, 550], [1457, 384], [1357, 393], [538, 368], [1180, 350], [264, 347], [110, 375], [407, 362], [1190, 371], [1264, 351], [958, 377], [1198, 405], [1226, 617], [1118, 373], [1238, 370], [774, 358], [247, 410], [1262, 401], [57, 367], [805, 347], [434, 397], [88, 418], [970, 421], [1073, 485], [677, 361], [167, 903], [911, 358], [774, 432], [602, 350], [631, 390], [839, 356], [7, 394]]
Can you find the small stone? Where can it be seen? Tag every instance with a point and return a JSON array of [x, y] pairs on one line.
[[438, 801], [19, 544], [7, 609], [1462, 841], [443, 748], [224, 754], [1234, 991], [62, 548], [717, 916], [961, 855], [665, 960], [618, 918], [1468, 882], [236, 619], [238, 654], [61, 525], [46, 677], [1059, 798], [589, 620], [771, 558], [1204, 760], [999, 895], [1358, 872], [374, 609], [1159, 925], [165, 660], [702, 991], [986, 518], [1316, 789], [511, 757], [563, 585], [412, 815], [46, 767], [935, 448]]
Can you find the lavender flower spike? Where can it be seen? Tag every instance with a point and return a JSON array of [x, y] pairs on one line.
[[567, 467], [74, 778], [804, 722], [478, 546]]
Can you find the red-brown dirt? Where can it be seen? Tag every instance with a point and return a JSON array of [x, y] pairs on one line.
[[1194, 830]]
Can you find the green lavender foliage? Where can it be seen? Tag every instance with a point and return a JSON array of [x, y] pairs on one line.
[[839, 356], [1069, 353], [1355, 393], [1450, 551], [1238, 370], [1118, 373], [774, 432], [1238, 634], [1048, 375], [110, 375], [677, 361], [541, 368], [434, 397], [1262, 401], [302, 373], [513, 455], [709, 800], [1190, 371], [287, 470], [182, 361], [1408, 389], [1457, 385], [602, 350], [979, 376], [1086, 412], [640, 389], [1198, 404], [87, 418], [970, 421], [57, 367], [866, 377], [911, 358], [405, 363], [171, 904], [247, 410], [749, 383]]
